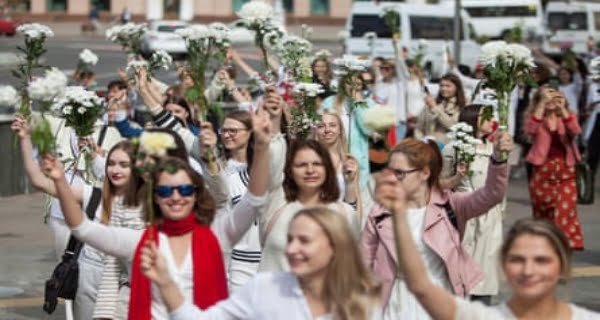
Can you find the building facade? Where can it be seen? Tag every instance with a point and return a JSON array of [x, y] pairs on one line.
[[325, 10]]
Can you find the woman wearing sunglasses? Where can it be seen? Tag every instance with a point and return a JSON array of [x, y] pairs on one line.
[[437, 220], [327, 279], [535, 258], [186, 228]]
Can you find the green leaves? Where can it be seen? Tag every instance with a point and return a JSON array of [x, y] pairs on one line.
[[42, 137]]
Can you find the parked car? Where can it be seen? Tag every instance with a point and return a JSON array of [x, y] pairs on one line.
[[161, 36], [8, 27], [431, 24], [239, 33]]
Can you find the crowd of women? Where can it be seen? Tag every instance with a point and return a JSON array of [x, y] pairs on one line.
[[252, 222]]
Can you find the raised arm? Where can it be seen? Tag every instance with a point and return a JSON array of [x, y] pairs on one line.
[[38, 179], [439, 303]]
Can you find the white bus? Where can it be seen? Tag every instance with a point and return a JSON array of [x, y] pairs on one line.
[[432, 23], [495, 18], [569, 25]]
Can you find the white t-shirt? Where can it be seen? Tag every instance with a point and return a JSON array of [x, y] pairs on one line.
[[467, 310]]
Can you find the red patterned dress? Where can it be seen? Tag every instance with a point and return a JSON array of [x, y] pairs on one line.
[[554, 194]]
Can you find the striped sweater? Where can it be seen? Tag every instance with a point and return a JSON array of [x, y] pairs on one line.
[[115, 272]]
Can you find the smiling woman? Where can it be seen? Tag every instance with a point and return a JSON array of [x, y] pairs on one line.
[[327, 279]]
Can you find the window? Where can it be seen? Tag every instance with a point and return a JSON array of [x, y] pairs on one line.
[[319, 7], [597, 20], [236, 5], [567, 21], [102, 5], [422, 27], [18, 6], [512, 11], [56, 5], [363, 23]]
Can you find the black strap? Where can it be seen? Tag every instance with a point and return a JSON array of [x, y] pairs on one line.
[[451, 214], [102, 135], [74, 246]]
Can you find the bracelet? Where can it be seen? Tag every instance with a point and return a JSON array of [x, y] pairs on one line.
[[498, 162]]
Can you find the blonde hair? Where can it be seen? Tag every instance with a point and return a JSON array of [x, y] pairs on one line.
[[349, 286], [541, 228], [341, 146]]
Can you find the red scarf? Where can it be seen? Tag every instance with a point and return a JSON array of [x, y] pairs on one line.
[[210, 285]]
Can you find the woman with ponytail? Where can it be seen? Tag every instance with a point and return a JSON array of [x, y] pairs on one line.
[[437, 219]]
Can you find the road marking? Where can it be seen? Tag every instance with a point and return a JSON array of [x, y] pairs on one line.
[[582, 272]]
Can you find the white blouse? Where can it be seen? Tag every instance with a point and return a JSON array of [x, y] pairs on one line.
[[268, 296], [228, 227], [468, 310]]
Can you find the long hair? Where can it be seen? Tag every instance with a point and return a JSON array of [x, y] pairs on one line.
[[205, 205], [341, 146], [330, 191], [542, 228], [132, 188], [461, 101], [180, 101], [349, 287], [422, 155], [328, 72]]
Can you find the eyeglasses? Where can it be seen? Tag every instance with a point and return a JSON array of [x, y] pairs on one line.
[[232, 131], [401, 174], [185, 190], [368, 81], [386, 68]]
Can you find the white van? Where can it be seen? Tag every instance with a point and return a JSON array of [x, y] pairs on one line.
[[495, 18], [432, 23], [568, 25]]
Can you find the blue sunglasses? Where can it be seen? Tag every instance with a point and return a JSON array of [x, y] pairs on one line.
[[185, 190]]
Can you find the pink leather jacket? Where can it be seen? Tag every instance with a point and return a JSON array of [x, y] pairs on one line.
[[377, 239], [541, 136]]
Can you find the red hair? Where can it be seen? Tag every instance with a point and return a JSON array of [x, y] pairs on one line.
[[422, 155]]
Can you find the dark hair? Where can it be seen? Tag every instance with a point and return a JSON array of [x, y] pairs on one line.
[[461, 101], [422, 155], [133, 187], [205, 205], [328, 73], [180, 101], [86, 74], [330, 191], [245, 118], [470, 115], [122, 85]]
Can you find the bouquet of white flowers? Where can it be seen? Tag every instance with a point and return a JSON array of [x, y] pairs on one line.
[[87, 60], [35, 36], [203, 42], [129, 36], [159, 60], [505, 65], [464, 144], [294, 53], [48, 88], [45, 90], [9, 96], [323, 53], [379, 118], [35, 31], [80, 108], [257, 16], [305, 115]]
